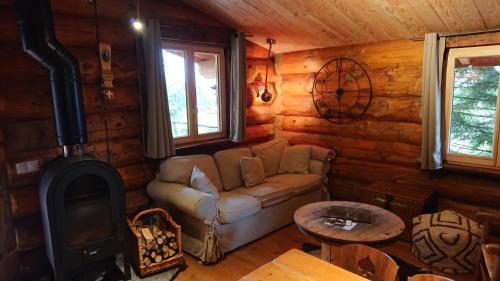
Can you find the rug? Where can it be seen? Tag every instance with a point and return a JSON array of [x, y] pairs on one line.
[[405, 269]]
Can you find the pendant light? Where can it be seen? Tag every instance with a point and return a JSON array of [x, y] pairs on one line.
[[266, 95], [136, 22]]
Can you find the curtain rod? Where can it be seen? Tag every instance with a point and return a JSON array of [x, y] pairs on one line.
[[460, 34], [470, 33]]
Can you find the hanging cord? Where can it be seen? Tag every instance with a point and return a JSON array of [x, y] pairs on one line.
[[270, 41], [104, 103]]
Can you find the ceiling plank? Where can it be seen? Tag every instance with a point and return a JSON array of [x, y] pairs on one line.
[[298, 25]]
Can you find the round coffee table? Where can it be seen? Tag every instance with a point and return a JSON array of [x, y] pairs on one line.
[[385, 226]]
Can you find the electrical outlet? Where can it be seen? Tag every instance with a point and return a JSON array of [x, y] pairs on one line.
[[27, 167]]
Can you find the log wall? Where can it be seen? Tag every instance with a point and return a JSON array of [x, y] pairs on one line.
[[385, 144], [114, 129]]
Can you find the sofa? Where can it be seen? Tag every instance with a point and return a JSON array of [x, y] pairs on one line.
[[211, 226]]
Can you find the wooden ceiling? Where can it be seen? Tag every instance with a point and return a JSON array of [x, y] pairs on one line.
[[309, 24]]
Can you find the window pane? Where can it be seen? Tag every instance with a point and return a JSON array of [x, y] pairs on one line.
[[207, 92], [473, 116], [175, 75]]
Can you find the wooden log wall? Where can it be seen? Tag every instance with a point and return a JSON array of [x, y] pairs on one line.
[[114, 129], [385, 144]]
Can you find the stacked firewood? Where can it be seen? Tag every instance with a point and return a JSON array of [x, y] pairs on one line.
[[156, 244]]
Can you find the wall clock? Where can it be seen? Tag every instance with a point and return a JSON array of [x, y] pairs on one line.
[[342, 91]]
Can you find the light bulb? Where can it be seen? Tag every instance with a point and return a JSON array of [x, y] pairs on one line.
[[137, 24]]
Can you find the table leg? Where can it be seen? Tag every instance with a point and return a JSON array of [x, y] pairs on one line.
[[326, 252], [329, 252]]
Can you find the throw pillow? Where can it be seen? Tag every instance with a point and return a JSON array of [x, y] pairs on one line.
[[252, 171], [295, 160], [200, 181], [270, 153]]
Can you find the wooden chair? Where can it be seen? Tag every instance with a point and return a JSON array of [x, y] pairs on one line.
[[428, 277], [488, 266], [368, 262]]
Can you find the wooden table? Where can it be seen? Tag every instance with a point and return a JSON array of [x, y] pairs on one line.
[[385, 226], [296, 265]]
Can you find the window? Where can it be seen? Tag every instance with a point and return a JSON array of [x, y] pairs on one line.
[[472, 107], [196, 91]]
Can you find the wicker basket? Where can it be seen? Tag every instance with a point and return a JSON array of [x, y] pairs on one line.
[[164, 223]]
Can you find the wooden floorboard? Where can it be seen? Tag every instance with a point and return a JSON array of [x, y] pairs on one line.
[[242, 261]]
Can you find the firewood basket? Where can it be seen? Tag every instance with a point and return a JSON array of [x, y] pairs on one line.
[[162, 226]]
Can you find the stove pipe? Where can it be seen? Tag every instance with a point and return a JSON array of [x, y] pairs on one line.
[[37, 34]]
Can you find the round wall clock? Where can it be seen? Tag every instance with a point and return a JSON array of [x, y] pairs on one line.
[[342, 91]]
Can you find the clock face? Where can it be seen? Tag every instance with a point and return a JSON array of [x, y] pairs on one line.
[[342, 91]]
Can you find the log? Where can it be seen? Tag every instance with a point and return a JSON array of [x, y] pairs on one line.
[[24, 201], [259, 133], [403, 132], [135, 201], [381, 108], [28, 232], [255, 51], [380, 55], [28, 101], [18, 65], [360, 149], [389, 81], [260, 115]]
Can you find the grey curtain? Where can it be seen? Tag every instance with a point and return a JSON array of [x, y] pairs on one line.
[[158, 130], [238, 94], [430, 156]]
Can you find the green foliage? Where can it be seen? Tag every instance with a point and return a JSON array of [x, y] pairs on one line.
[[474, 110]]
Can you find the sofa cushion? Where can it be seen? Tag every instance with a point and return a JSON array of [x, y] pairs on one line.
[[200, 181], [295, 160], [300, 183], [178, 169], [270, 153], [228, 162], [268, 193], [234, 206], [252, 171]]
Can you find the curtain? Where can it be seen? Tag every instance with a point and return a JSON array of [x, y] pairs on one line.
[[159, 142], [237, 115], [430, 156]]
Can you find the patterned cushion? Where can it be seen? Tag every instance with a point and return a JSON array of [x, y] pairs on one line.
[[447, 241]]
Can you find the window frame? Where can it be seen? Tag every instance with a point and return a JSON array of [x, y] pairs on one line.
[[189, 50], [463, 159]]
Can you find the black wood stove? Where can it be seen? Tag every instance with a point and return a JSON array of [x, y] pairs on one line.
[[81, 197]]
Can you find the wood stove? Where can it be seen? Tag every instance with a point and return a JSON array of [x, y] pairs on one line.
[[82, 201], [81, 198]]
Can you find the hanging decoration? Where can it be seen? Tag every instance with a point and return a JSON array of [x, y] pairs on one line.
[[263, 92], [106, 73], [342, 91]]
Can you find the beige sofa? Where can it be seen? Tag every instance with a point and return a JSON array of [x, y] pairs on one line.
[[212, 227]]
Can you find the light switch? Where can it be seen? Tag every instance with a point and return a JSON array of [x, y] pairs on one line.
[[27, 167]]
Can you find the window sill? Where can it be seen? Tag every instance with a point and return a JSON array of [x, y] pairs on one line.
[[478, 170], [205, 147]]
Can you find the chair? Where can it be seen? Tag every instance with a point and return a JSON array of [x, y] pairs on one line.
[[428, 277], [368, 262], [488, 266]]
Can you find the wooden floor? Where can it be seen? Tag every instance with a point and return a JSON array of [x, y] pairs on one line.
[[242, 261]]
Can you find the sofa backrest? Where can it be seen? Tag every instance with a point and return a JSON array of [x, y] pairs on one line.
[[178, 169], [228, 162], [270, 153]]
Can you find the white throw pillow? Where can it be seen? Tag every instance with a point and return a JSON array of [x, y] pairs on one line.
[[295, 160], [200, 181], [252, 171]]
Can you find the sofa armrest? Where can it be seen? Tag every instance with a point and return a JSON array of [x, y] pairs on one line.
[[188, 200]]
